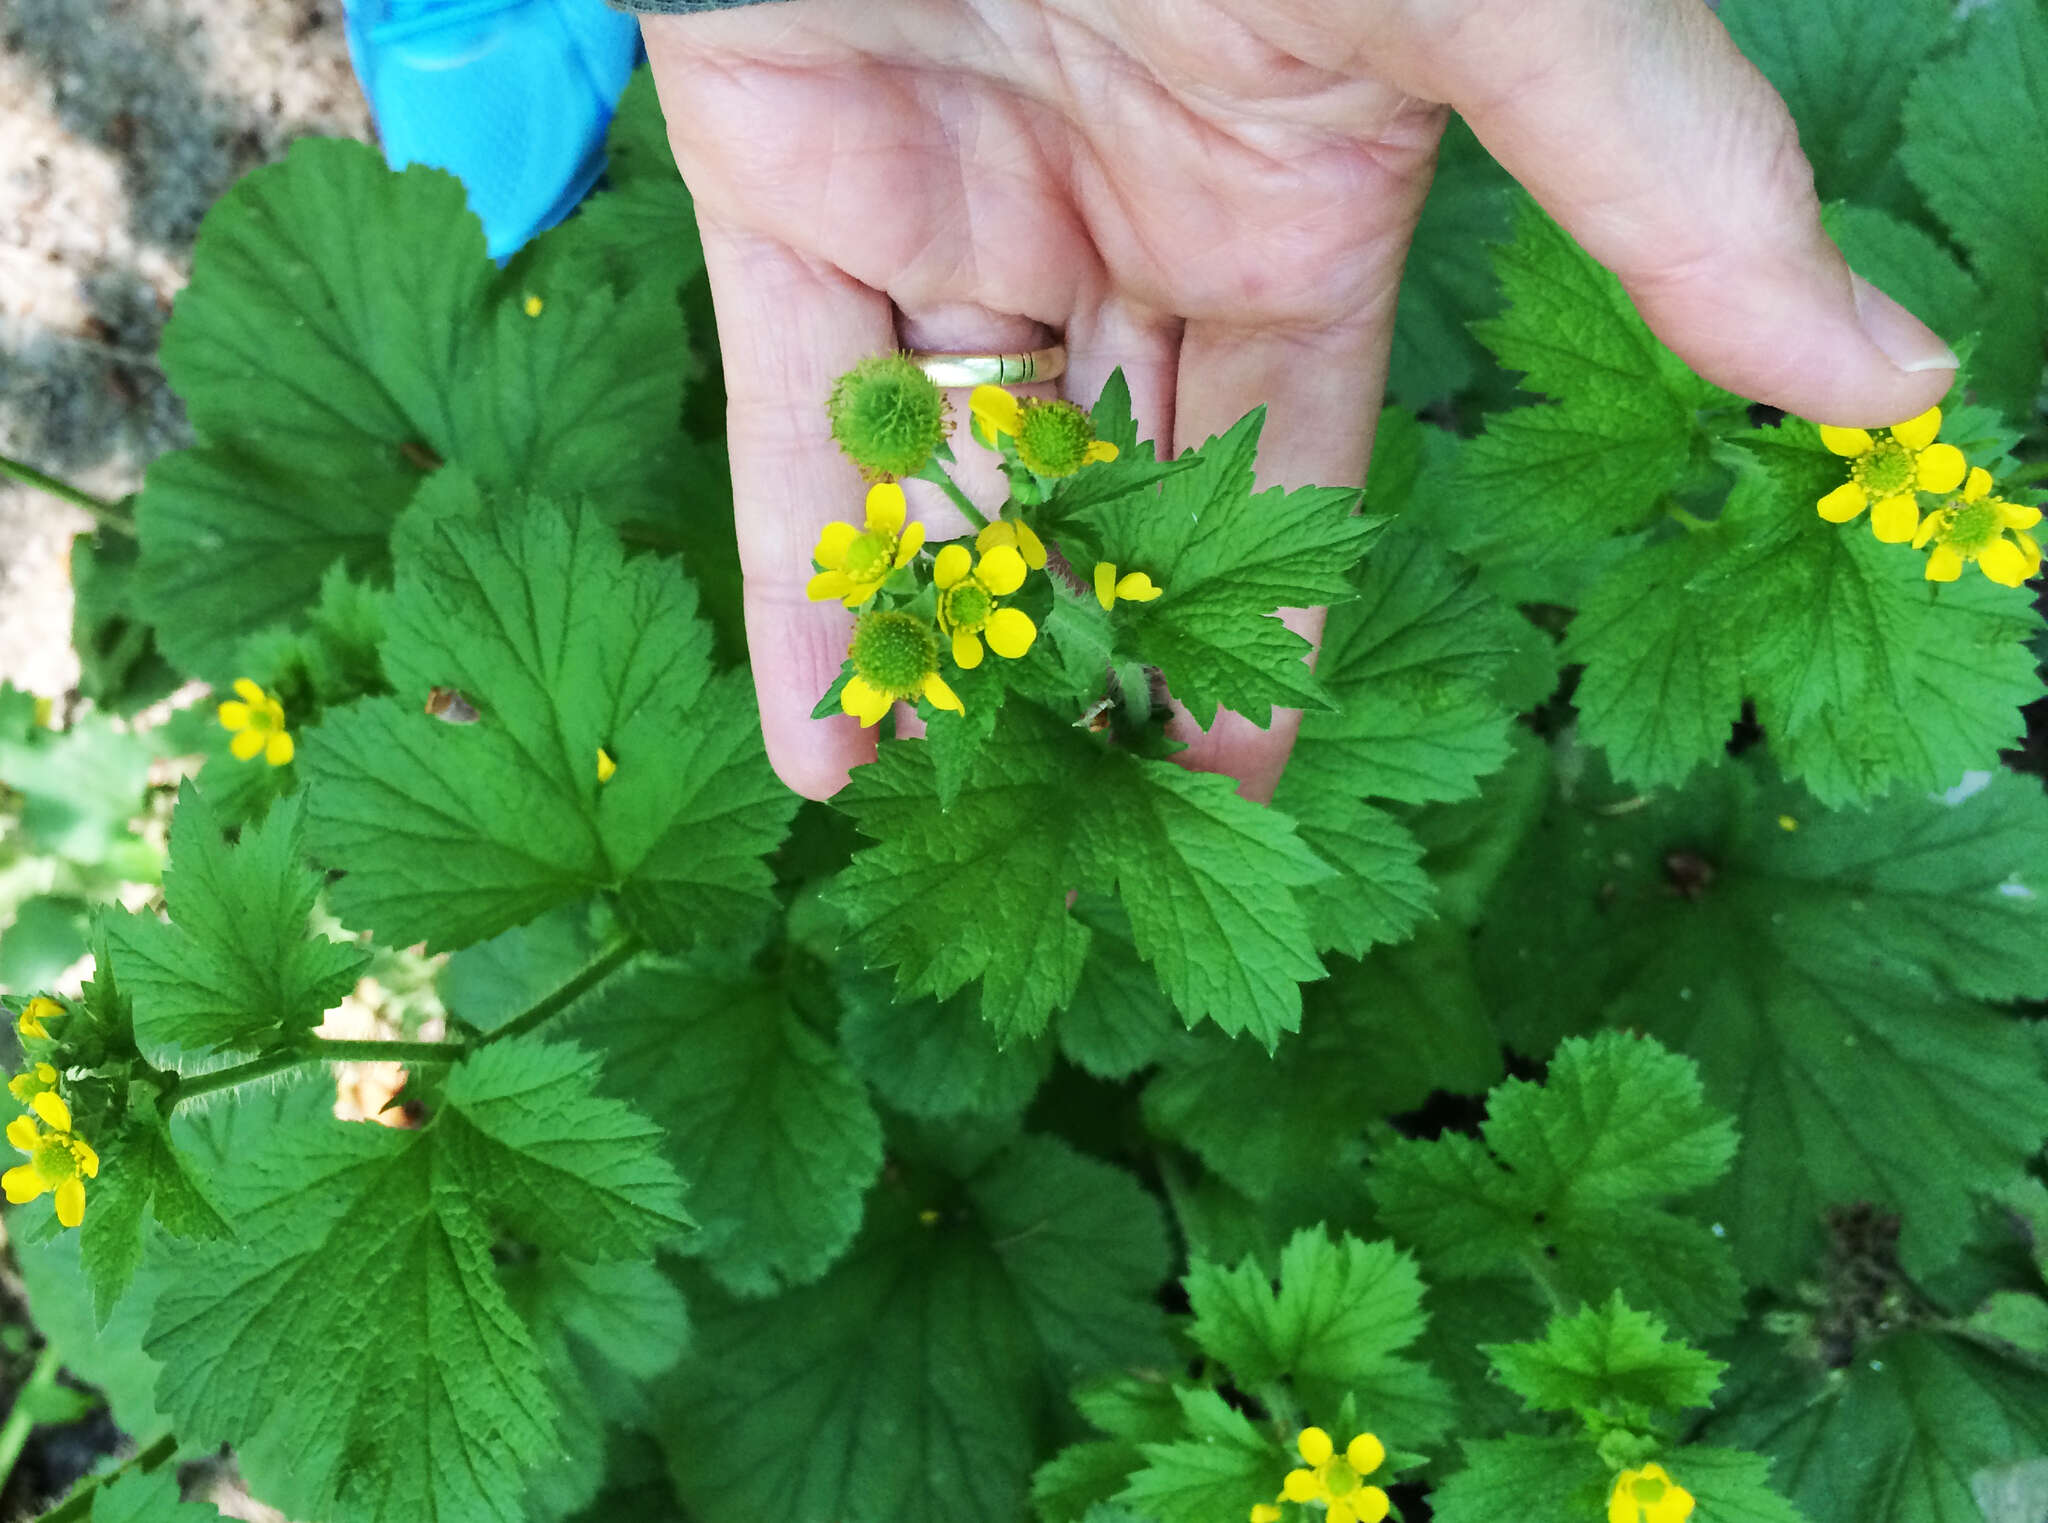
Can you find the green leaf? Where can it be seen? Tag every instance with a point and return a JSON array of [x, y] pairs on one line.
[[1976, 147], [1217, 1473], [1377, 1038], [980, 890], [104, 1352], [910, 1383], [455, 832], [1448, 283], [1607, 1359], [152, 1498], [1380, 892], [343, 335], [933, 1058], [235, 970], [1562, 1480], [766, 1121], [1906, 1434], [1119, 1019], [1843, 68], [1826, 977], [1215, 631], [1552, 482], [1412, 664], [142, 1172], [1573, 1180], [441, 1410], [1341, 1314]]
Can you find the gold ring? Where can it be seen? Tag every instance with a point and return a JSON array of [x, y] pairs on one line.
[[949, 369]]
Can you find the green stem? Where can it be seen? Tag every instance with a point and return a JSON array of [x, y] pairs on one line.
[[936, 473], [1539, 1271], [104, 513], [79, 1503], [20, 1418], [1692, 523], [344, 1050]]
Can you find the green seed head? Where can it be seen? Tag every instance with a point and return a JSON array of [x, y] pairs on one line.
[[1053, 437], [1973, 526], [868, 557], [895, 652], [968, 606], [888, 416], [53, 1159], [1886, 471]]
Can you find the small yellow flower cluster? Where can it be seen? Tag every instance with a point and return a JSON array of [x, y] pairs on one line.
[[1648, 1495], [256, 720], [1335, 1480], [57, 1159], [1889, 469], [1054, 439]]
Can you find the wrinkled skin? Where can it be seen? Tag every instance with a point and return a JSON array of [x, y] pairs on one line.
[[1216, 195]]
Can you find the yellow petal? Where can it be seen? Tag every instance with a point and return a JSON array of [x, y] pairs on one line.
[[1136, 587], [1895, 519], [1365, 1453], [55, 1113], [22, 1185], [88, 1160], [1001, 571], [833, 541], [1944, 564], [951, 566], [1001, 532], [1105, 583], [71, 1201], [1929, 527], [828, 584], [1011, 632], [246, 744], [886, 507], [1849, 442], [966, 651], [606, 767], [941, 696], [234, 715], [2017, 515], [1371, 1505], [863, 700], [1299, 1486], [1918, 433], [21, 1134], [1844, 502], [911, 543], [1030, 546], [251, 694], [279, 750], [1675, 1506], [1977, 484], [1621, 1502], [1264, 1512], [1315, 1445], [996, 408], [1340, 1510], [1940, 468], [858, 593], [2031, 550], [1101, 450], [2004, 562]]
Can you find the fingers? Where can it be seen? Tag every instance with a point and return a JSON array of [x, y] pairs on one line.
[[1644, 131], [1146, 344], [788, 329], [1319, 387]]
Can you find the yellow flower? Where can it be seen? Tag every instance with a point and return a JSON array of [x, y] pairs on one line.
[[1132, 586], [35, 1012], [532, 305], [895, 659], [1053, 438], [1648, 1495], [36, 1079], [1972, 526], [1265, 1512], [605, 765], [1887, 471], [967, 603], [257, 721], [858, 561], [1338, 1480], [56, 1159], [1018, 535]]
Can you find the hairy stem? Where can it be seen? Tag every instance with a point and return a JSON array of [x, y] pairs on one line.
[[600, 968], [936, 474], [104, 513]]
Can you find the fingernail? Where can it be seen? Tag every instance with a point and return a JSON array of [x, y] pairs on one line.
[[1906, 341]]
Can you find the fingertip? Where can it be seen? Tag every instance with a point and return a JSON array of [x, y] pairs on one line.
[[816, 760]]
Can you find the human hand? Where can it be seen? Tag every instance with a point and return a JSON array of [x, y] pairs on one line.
[[1216, 195]]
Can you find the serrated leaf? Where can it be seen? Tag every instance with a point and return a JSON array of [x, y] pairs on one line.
[[980, 890], [235, 970], [1607, 1358], [1411, 664], [456, 832], [1380, 892], [1341, 1314], [914, 1375], [1826, 978], [933, 1058], [1208, 1475], [142, 1173], [1119, 1019], [766, 1121], [1576, 1175], [442, 1410]]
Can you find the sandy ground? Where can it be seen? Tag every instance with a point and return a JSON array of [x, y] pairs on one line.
[[121, 121]]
